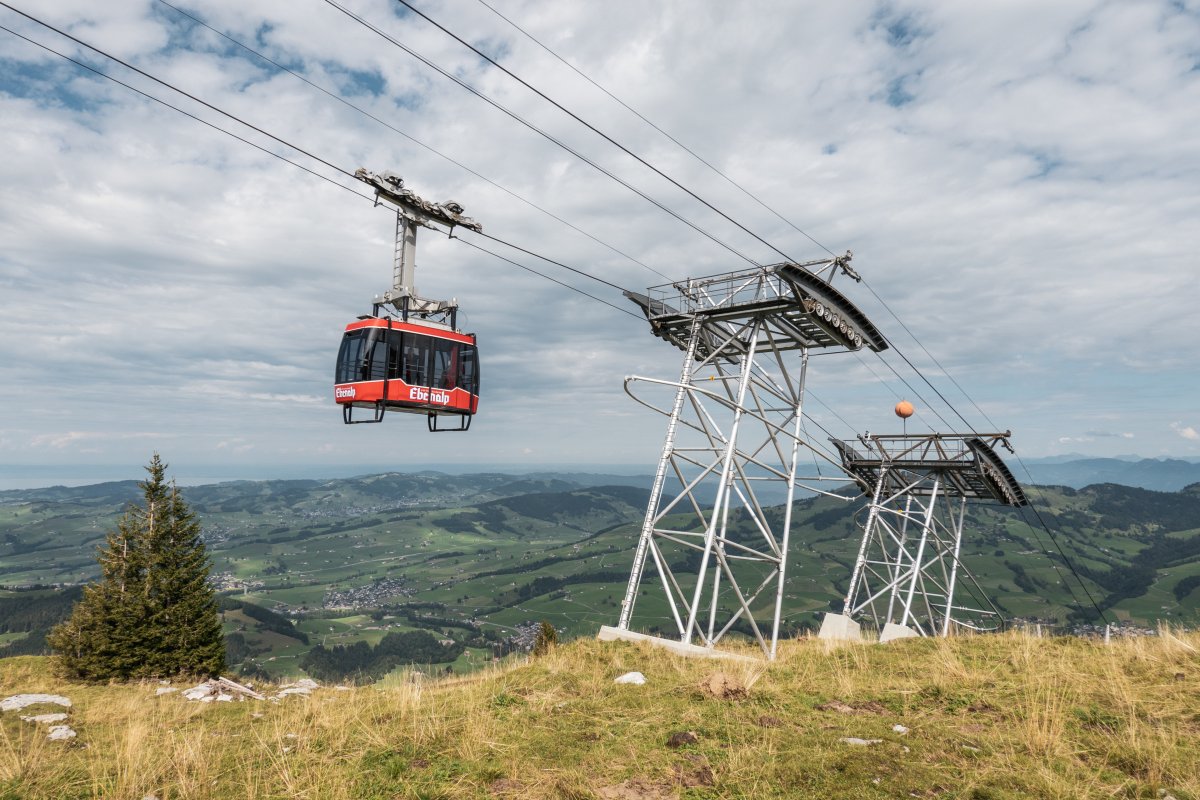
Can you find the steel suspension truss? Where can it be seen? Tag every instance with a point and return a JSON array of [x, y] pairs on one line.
[[735, 442], [907, 573], [413, 212]]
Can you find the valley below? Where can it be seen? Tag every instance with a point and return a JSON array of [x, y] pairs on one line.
[[315, 575]]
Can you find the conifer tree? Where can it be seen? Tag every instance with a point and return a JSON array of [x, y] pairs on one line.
[[152, 613]]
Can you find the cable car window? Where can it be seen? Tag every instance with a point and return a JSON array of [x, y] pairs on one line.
[[395, 355], [444, 366], [349, 356], [416, 359], [468, 365], [361, 357]]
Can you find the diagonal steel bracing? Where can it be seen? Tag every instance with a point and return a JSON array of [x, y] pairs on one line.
[[713, 547], [909, 562]]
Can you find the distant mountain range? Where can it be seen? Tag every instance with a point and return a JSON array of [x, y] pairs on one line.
[[1160, 475]]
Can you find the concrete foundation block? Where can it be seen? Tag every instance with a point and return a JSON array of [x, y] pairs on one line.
[[893, 631], [839, 627]]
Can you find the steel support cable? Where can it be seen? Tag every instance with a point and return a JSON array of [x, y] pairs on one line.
[[659, 172], [591, 127], [911, 388], [518, 118], [624, 149], [734, 183], [298, 149], [188, 114], [1024, 467], [884, 381], [557, 264], [412, 139], [675, 141], [1038, 514], [349, 174], [547, 277], [161, 82]]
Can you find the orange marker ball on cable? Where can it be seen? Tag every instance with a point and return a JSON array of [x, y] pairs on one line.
[[904, 409]]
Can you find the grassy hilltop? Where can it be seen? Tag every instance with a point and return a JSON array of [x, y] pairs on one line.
[[1004, 716]]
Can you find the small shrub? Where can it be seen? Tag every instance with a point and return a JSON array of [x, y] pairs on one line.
[[547, 638]]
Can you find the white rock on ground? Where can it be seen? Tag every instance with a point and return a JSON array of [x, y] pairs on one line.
[[160, 691], [19, 701], [61, 733], [221, 689], [900, 729], [302, 686], [635, 678], [854, 740], [44, 719]]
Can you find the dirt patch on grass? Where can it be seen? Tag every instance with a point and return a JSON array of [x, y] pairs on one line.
[[637, 789], [867, 707], [724, 686]]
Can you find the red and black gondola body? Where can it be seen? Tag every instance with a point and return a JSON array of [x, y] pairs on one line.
[[417, 367]]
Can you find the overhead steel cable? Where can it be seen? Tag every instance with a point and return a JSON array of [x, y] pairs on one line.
[[187, 114], [346, 172], [292, 146], [640, 116], [590, 126], [517, 117], [366, 197], [764, 205], [161, 82], [1029, 474], [656, 170], [411, 138], [653, 168], [543, 275], [1037, 514], [552, 261]]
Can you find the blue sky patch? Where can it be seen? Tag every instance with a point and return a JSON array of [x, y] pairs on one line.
[[50, 87]]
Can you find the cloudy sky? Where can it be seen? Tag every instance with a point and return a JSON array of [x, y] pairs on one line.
[[1019, 182]]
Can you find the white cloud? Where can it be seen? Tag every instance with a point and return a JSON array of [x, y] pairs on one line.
[[1186, 431], [1024, 202]]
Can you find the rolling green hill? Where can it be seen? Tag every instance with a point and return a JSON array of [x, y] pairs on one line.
[[473, 558]]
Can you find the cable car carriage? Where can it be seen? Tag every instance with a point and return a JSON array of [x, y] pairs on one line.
[[412, 358], [415, 367]]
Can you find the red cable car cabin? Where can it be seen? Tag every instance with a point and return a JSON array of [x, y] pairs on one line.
[[418, 367]]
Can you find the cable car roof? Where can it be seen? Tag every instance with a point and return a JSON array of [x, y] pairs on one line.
[[425, 327]]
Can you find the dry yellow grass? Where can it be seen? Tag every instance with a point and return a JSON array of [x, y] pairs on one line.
[[988, 717]]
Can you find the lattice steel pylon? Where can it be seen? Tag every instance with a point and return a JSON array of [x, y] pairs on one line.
[[909, 562], [735, 429]]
